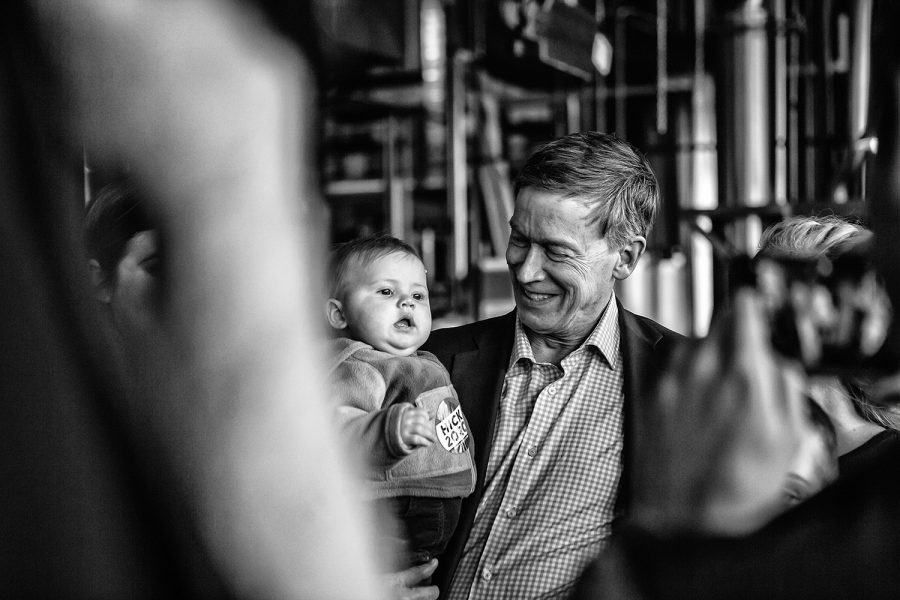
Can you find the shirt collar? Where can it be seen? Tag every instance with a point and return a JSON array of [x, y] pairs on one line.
[[604, 337]]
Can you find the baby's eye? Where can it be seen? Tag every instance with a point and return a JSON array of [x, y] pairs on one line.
[[418, 296], [386, 292]]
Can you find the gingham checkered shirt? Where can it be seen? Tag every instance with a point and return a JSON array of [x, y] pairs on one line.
[[552, 474]]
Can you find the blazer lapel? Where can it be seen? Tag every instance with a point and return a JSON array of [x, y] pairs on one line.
[[638, 345], [477, 368], [642, 366], [478, 377]]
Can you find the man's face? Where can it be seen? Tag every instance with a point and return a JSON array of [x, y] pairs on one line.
[[561, 269], [386, 304], [133, 297]]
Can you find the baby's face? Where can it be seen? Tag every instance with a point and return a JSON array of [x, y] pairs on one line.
[[814, 467], [386, 304]]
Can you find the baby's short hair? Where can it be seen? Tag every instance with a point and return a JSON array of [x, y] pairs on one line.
[[363, 251]]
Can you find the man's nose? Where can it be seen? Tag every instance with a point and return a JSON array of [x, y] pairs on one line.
[[532, 267]]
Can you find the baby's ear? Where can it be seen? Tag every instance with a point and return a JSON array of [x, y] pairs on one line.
[[334, 312]]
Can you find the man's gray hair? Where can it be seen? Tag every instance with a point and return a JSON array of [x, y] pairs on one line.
[[609, 175]]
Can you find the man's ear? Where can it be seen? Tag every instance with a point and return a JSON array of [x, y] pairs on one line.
[[629, 256], [100, 282], [334, 312]]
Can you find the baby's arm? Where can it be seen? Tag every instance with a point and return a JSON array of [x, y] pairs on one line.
[[382, 434]]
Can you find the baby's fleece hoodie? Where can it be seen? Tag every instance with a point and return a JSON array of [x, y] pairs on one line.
[[372, 390]]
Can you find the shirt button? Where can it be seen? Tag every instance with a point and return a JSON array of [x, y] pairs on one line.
[[486, 574], [511, 512], [552, 390], [532, 451]]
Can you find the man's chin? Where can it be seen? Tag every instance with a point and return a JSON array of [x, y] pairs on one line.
[[536, 321]]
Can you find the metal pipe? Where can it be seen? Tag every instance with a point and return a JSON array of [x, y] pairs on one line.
[[744, 139], [457, 176], [860, 69], [662, 98], [780, 100]]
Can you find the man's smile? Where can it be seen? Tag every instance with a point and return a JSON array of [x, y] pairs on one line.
[[536, 296]]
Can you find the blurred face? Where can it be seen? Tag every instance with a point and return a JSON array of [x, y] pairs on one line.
[[562, 270], [813, 468], [132, 295], [386, 305]]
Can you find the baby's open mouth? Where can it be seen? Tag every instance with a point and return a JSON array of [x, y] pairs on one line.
[[404, 323]]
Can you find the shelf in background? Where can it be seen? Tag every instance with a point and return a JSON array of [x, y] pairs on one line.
[[355, 187]]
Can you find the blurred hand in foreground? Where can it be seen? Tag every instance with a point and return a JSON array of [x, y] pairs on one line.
[[213, 114], [717, 441]]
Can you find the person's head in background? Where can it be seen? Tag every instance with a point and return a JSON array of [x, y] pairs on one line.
[[379, 294], [815, 466], [584, 207], [123, 252], [829, 236], [843, 398]]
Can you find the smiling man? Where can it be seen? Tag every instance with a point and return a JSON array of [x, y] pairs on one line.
[[548, 388]]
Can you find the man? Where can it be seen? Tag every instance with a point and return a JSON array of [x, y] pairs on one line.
[[548, 387]]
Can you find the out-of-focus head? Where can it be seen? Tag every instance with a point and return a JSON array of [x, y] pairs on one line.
[[584, 206], [815, 464], [829, 236], [606, 174], [113, 217], [123, 252], [379, 294], [816, 277]]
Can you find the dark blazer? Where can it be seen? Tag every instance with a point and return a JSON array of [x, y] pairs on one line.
[[477, 355]]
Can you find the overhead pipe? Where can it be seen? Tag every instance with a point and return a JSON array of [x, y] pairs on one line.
[[862, 142], [743, 127]]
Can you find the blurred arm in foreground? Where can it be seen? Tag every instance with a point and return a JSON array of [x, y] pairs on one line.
[[211, 112]]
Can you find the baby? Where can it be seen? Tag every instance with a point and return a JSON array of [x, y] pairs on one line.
[[397, 404]]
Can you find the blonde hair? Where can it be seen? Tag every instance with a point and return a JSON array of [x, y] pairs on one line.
[[828, 236]]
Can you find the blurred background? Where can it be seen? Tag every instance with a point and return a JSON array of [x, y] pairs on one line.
[[747, 110]]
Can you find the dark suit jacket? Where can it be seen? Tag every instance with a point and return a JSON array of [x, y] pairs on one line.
[[477, 355]]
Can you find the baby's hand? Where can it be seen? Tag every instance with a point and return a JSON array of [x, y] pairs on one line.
[[416, 430]]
